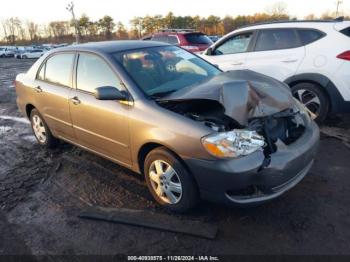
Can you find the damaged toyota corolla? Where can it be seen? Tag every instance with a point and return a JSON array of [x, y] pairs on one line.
[[194, 131]]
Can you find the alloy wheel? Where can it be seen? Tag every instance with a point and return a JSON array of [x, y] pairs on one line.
[[39, 129], [165, 182], [309, 99]]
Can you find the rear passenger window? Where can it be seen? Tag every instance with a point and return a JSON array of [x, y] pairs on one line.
[[307, 36], [59, 69], [276, 39], [346, 31], [93, 72]]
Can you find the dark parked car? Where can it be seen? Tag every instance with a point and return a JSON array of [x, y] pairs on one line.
[[194, 132]]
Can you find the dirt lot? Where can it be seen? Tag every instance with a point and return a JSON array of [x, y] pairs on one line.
[[41, 193]]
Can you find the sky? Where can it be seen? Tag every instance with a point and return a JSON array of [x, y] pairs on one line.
[[43, 11]]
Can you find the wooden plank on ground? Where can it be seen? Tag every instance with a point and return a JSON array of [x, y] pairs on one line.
[[151, 220]]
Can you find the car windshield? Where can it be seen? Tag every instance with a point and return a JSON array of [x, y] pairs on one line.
[[198, 39], [159, 71]]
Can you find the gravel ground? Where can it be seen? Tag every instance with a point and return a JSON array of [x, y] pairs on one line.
[[42, 191]]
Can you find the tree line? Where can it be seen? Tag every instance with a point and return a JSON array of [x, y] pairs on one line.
[[17, 32]]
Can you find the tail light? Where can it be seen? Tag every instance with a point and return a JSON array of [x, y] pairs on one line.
[[345, 55]]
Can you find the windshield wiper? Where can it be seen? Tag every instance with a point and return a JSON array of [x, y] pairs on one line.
[[161, 94]]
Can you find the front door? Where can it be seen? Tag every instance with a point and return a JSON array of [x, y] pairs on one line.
[[231, 54], [100, 125]]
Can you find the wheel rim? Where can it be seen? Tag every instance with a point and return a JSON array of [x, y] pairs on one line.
[[39, 129], [165, 182], [309, 99]]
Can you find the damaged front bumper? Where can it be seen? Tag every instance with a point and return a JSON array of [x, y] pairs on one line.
[[251, 179]]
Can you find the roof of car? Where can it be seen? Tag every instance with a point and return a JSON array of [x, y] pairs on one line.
[[293, 22], [178, 33], [112, 46]]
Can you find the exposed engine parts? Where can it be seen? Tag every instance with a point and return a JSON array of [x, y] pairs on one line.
[[286, 126], [211, 113]]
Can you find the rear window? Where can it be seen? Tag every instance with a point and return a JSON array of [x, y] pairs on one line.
[[198, 39], [275, 39], [346, 31], [160, 38], [308, 36], [172, 39]]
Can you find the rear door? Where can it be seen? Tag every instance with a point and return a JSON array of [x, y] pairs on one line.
[[101, 126], [277, 53], [231, 53], [52, 88]]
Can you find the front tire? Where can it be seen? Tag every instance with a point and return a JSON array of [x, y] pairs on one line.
[[169, 182], [313, 98], [41, 131]]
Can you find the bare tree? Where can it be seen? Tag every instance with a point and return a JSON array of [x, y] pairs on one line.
[[59, 28], [4, 28], [11, 28], [338, 3], [21, 33], [310, 17], [277, 9], [32, 29]]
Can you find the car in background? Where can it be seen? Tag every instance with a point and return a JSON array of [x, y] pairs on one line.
[[192, 130], [312, 57], [188, 39], [7, 51], [19, 51], [2, 51], [32, 53], [214, 38]]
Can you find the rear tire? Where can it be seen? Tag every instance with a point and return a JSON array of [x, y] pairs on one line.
[[41, 131], [175, 189], [314, 98]]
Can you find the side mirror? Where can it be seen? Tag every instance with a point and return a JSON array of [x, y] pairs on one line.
[[110, 93], [209, 51]]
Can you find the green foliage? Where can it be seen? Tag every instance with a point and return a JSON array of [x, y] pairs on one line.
[[106, 26]]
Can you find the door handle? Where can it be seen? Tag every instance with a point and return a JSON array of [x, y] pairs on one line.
[[38, 89], [75, 100], [289, 60], [237, 63]]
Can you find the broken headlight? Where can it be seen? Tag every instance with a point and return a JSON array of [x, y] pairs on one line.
[[235, 143]]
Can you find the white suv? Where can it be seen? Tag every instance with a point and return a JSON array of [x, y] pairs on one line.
[[312, 57]]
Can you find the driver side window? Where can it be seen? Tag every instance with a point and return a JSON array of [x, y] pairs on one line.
[[236, 44], [93, 72]]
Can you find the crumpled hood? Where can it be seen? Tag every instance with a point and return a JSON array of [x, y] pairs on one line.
[[243, 93]]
